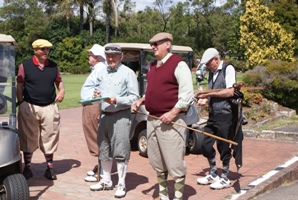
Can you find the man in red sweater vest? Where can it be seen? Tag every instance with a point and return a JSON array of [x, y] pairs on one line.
[[168, 94]]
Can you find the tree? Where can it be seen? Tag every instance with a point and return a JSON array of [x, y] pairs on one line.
[[262, 38], [286, 13]]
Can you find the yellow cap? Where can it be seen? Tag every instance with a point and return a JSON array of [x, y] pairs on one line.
[[40, 43]]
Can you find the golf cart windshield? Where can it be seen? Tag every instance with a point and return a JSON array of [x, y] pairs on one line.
[[7, 81]]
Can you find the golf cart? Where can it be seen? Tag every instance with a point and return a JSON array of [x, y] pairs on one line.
[[138, 57], [13, 185]]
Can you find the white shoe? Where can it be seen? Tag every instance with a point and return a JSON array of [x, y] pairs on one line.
[[120, 191], [102, 186], [209, 179], [91, 178], [93, 172], [90, 173], [220, 184]]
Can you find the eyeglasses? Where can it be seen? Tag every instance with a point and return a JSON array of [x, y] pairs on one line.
[[45, 48], [155, 44], [113, 49]]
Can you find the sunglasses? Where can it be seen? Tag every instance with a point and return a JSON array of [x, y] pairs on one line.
[[155, 44], [45, 48], [113, 49]]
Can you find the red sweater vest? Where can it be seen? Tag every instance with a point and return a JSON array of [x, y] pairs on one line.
[[162, 88]]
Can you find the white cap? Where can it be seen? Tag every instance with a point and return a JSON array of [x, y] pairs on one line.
[[98, 50], [208, 55]]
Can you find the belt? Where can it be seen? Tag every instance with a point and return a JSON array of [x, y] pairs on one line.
[[111, 113]]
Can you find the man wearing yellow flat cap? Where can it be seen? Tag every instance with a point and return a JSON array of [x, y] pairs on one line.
[[38, 115]]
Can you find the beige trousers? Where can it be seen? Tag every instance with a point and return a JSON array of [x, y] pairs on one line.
[[39, 127], [166, 146]]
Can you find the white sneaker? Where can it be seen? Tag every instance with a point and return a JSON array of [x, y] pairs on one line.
[[120, 191], [102, 186], [90, 173], [220, 184], [93, 171], [209, 179], [91, 178]]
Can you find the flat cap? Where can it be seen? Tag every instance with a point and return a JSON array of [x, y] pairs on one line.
[[208, 55], [97, 50], [113, 49], [161, 36], [40, 43]]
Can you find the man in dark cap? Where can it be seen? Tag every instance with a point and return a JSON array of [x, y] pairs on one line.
[[38, 115], [119, 84], [168, 94]]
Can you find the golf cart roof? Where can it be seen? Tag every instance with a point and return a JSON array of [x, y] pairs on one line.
[[6, 39], [132, 50], [147, 47]]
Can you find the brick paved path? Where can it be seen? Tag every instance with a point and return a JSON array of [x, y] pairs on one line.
[[72, 161]]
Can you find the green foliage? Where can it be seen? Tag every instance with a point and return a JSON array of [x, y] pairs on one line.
[[252, 78], [286, 14], [262, 38], [279, 79], [72, 57]]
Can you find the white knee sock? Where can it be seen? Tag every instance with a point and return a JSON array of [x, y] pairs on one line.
[[106, 168], [122, 168]]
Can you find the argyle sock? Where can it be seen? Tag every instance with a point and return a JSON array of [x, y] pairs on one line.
[[225, 170], [27, 159], [213, 168], [49, 160], [163, 185], [179, 187]]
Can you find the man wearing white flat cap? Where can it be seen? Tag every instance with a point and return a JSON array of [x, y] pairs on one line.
[[221, 75], [91, 111]]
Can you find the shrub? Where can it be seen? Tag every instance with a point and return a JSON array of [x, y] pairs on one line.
[[279, 80]]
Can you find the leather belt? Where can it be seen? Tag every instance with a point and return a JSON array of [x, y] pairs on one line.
[[111, 113]]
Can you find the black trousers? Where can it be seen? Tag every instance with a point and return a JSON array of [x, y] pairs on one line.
[[220, 126]]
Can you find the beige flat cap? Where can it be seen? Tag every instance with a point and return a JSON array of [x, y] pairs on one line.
[[40, 43], [161, 36]]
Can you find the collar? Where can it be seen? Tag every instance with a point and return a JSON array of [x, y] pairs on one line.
[[166, 57], [110, 70], [46, 63]]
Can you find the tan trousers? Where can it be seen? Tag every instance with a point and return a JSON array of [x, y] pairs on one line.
[[39, 127], [90, 115], [166, 146]]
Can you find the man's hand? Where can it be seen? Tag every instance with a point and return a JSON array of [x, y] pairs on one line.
[[136, 104], [96, 93], [111, 100], [202, 102], [168, 117], [60, 96]]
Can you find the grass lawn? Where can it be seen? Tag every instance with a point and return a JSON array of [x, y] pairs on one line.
[[73, 85]]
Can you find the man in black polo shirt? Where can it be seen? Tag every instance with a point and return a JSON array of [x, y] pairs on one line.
[[38, 115]]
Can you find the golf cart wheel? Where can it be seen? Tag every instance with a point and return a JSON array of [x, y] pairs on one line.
[[143, 143], [15, 187], [195, 141]]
